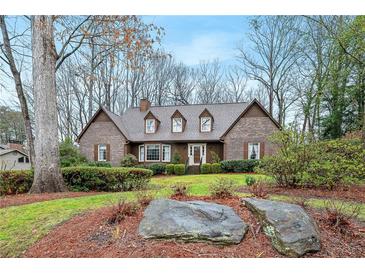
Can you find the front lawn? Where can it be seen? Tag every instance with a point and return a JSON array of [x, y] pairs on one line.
[[21, 226]]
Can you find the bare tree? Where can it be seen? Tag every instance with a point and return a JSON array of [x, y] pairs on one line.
[[209, 82], [47, 172], [275, 52], [9, 59], [236, 85]]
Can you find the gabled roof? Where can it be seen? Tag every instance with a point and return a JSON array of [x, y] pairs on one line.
[[226, 115], [116, 119], [254, 102], [6, 151]]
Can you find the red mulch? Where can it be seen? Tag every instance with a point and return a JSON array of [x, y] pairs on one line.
[[89, 235], [351, 193], [21, 199]]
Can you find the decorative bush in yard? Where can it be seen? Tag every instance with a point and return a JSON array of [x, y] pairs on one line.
[[250, 180], [15, 181], [176, 158], [129, 160], [216, 168], [302, 162], [206, 168], [157, 168], [70, 155], [223, 188], [170, 169], [81, 179], [99, 164], [179, 169], [239, 165]]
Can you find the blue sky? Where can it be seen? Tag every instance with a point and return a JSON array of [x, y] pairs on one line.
[[194, 38]]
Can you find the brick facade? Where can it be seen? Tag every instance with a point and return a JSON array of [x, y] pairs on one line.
[[250, 128], [103, 131]]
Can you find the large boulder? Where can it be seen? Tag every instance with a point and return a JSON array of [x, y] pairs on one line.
[[292, 232], [192, 221]]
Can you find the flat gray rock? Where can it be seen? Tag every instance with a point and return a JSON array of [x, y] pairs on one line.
[[192, 221], [292, 231]]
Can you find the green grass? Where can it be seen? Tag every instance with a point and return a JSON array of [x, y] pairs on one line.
[[21, 226]]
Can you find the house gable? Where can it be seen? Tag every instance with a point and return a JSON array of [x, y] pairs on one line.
[[177, 114], [254, 109]]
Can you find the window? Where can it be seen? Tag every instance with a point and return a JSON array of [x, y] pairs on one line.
[[152, 152], [141, 153], [150, 125], [166, 153], [205, 124], [21, 160], [254, 151], [176, 124], [102, 152], [26, 159]]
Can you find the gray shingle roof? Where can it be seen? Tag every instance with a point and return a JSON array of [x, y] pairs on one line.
[[131, 123]]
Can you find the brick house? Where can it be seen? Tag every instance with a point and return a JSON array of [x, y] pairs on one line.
[[154, 133]]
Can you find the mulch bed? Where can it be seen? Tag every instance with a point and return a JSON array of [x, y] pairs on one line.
[[22, 199], [351, 193], [89, 235]]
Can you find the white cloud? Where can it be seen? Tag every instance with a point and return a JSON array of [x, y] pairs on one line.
[[208, 46]]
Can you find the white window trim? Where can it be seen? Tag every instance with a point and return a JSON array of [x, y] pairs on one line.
[[154, 128], [258, 150], [159, 154], [201, 124], [169, 159], [181, 121], [100, 160], [139, 153]]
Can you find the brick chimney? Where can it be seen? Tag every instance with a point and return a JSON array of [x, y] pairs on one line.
[[144, 104], [16, 146]]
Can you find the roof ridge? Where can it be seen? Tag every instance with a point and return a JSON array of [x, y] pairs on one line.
[[211, 104]]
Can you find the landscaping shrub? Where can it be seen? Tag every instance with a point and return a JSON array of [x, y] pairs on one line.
[[216, 168], [157, 168], [222, 188], [176, 158], [250, 180], [98, 164], [144, 198], [180, 189], [82, 178], [259, 190], [303, 162], [179, 169], [105, 179], [206, 168], [129, 160], [340, 215], [170, 169], [239, 165], [15, 181], [215, 157], [122, 209], [70, 154]]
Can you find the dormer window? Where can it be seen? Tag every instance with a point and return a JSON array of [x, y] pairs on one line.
[[177, 124], [206, 124], [150, 125]]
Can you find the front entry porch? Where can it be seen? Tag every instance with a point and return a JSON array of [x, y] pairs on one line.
[[197, 154]]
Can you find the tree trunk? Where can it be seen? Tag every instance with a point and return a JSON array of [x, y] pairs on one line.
[[18, 88], [47, 172]]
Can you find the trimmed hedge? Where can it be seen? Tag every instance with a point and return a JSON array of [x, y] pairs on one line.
[[157, 168], [179, 169], [216, 168], [170, 169], [15, 181], [81, 178], [206, 168], [239, 165]]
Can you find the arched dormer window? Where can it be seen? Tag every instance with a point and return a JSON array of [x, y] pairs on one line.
[[178, 122], [206, 121]]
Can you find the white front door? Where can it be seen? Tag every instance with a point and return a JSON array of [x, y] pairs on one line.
[[197, 153]]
